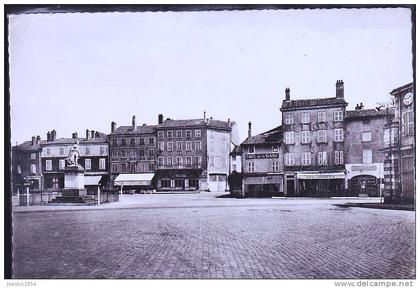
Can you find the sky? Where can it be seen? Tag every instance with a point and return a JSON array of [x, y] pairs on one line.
[[78, 71]]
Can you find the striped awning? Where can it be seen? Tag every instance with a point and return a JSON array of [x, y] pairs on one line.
[[143, 179]]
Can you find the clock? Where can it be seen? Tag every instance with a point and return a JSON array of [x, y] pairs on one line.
[[408, 98]]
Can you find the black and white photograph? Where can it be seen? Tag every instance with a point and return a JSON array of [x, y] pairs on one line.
[[204, 142]]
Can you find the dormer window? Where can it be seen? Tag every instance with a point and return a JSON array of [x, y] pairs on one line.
[[251, 149]]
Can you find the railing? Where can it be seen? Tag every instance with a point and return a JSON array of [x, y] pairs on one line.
[[38, 198]]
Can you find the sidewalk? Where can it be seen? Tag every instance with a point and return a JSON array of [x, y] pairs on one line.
[[406, 207]]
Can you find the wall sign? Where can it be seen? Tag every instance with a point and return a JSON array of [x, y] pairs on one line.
[[262, 156]]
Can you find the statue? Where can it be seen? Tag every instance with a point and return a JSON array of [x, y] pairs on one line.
[[73, 158]]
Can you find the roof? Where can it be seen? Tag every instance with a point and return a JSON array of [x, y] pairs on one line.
[[368, 113], [209, 123], [236, 150], [273, 136], [303, 103], [144, 129], [402, 88], [27, 146], [73, 140]]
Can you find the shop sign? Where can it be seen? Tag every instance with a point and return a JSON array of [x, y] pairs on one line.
[[363, 168], [262, 156]]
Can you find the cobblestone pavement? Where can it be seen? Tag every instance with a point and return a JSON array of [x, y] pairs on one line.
[[249, 238]]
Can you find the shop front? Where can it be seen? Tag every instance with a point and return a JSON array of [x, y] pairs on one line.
[[176, 180], [320, 184], [264, 185]]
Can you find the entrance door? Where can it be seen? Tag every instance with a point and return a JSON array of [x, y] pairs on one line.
[[290, 187]]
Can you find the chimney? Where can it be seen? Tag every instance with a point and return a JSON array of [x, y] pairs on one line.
[[33, 140], [339, 89], [87, 134], [48, 136], [287, 92], [75, 135], [204, 114], [96, 134], [113, 124], [160, 119], [228, 121], [38, 139], [92, 134], [53, 135], [133, 122], [249, 129]]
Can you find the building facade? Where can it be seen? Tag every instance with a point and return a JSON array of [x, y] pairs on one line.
[[314, 136], [363, 151], [93, 158], [399, 148], [262, 158]]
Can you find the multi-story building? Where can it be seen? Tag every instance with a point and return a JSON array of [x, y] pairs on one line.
[[314, 136], [193, 154], [132, 155], [93, 158], [399, 142], [262, 158], [363, 145], [26, 165]]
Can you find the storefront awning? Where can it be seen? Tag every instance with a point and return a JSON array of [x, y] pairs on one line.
[[92, 180], [143, 179], [320, 176]]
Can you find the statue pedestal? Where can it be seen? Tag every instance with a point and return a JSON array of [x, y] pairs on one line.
[[74, 181]]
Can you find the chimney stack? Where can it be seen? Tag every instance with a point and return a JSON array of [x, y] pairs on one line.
[[33, 140], [204, 114], [48, 136], [38, 139], [96, 134], [160, 119], [92, 134], [133, 122], [113, 124], [287, 92], [249, 129], [339, 89], [53, 135], [87, 134]]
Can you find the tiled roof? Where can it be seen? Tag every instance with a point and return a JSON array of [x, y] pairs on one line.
[[402, 88], [73, 140], [274, 135], [145, 129], [301, 103], [237, 150], [209, 123], [27, 146], [368, 113]]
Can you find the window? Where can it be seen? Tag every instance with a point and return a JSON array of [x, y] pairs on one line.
[[114, 168], [160, 134], [165, 183], [224, 162], [197, 145], [48, 151], [251, 166], [151, 152], [197, 133], [170, 134], [133, 142], [179, 134], [88, 164], [102, 164], [102, 150], [123, 142], [338, 115], [408, 123], [290, 137], [151, 141], [160, 161], [251, 149], [55, 183], [179, 183], [289, 118], [306, 136], [366, 136], [48, 165], [289, 159], [188, 160], [198, 160], [61, 164], [123, 154], [211, 146], [322, 116], [133, 167], [61, 152], [133, 154], [305, 118], [87, 151], [114, 154], [178, 160], [178, 146], [367, 156], [123, 167], [322, 136], [141, 141], [33, 168], [169, 161], [33, 156], [188, 133], [306, 159], [338, 135], [188, 146], [211, 160], [114, 142], [161, 146], [338, 157], [141, 153], [275, 148], [275, 165], [322, 158], [170, 146], [223, 145]]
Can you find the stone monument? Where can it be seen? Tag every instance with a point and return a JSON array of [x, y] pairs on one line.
[[74, 174]]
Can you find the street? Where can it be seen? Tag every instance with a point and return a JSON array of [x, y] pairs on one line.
[[200, 236]]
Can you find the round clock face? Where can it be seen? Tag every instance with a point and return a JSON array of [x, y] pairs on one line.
[[408, 98]]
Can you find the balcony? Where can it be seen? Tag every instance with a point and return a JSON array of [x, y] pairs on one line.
[[180, 166]]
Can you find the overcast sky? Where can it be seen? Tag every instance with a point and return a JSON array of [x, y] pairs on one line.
[[70, 72]]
